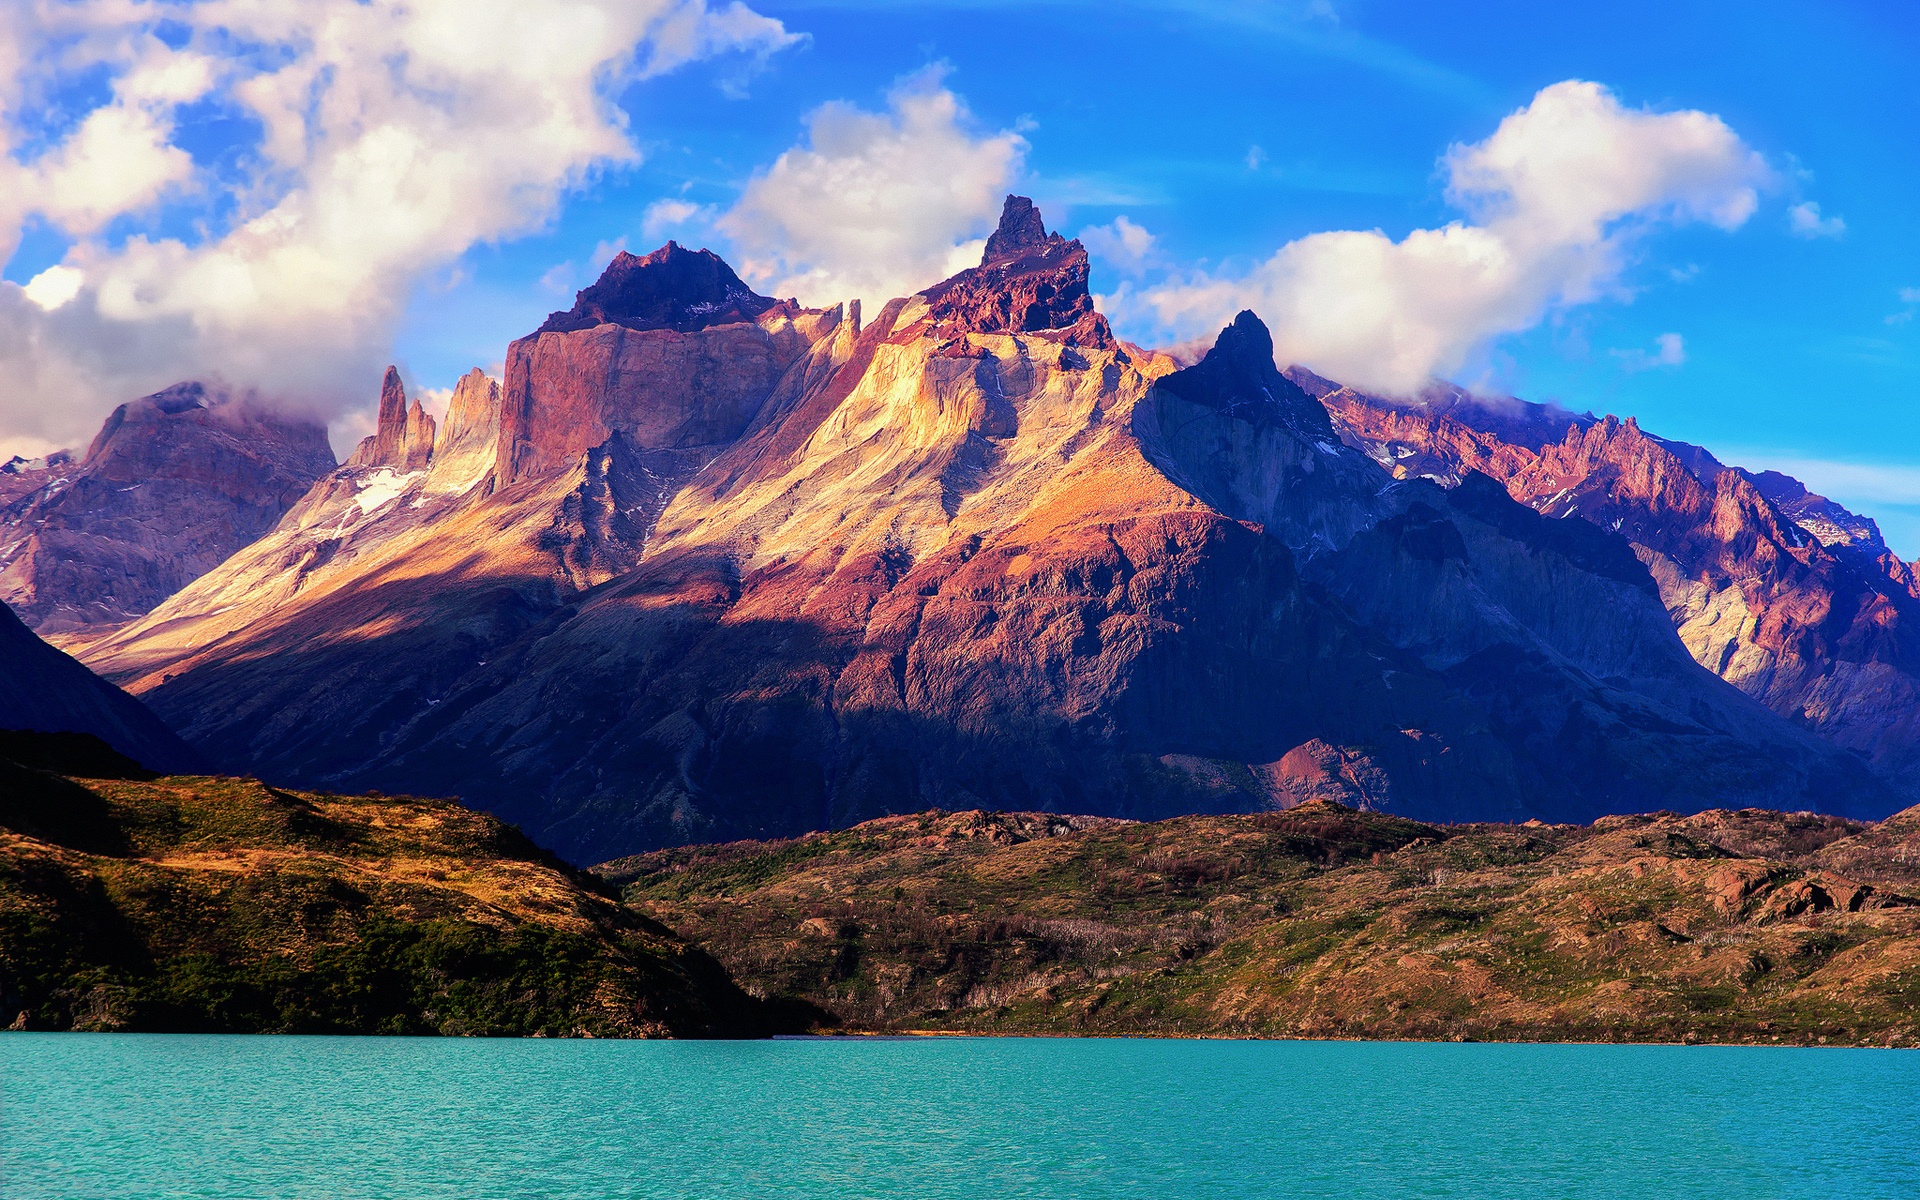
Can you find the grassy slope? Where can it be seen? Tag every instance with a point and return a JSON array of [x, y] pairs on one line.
[[1322, 922], [223, 905]]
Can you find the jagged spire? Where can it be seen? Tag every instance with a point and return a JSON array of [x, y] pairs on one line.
[[1238, 376], [1021, 229]]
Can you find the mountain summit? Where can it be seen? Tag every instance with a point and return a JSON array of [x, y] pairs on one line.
[[672, 288], [1028, 281]]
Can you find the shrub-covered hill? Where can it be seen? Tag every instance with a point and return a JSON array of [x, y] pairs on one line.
[[224, 905], [1322, 922]]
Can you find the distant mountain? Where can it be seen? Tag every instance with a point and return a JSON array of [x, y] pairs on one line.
[[738, 568], [173, 484], [1781, 592], [43, 689]]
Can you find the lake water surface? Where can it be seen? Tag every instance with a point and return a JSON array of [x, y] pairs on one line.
[[420, 1119]]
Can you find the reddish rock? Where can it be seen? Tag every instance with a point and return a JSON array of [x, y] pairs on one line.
[[670, 351], [403, 437], [1028, 281]]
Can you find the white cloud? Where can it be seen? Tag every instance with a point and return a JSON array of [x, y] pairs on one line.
[[665, 216], [1805, 221], [1670, 350], [1122, 243], [1909, 297], [1556, 197], [54, 287], [395, 136], [435, 400], [875, 205], [1256, 158]]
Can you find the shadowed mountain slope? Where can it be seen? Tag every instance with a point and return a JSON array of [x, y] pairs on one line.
[[776, 574], [43, 689]]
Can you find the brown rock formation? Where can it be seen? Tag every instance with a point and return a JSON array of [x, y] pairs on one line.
[[672, 288], [671, 352], [757, 577], [172, 485], [463, 453], [403, 437], [1028, 281]]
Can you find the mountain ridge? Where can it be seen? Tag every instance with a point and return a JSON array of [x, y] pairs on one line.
[[761, 576]]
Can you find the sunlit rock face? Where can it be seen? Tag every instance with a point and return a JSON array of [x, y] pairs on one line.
[[172, 484], [1783, 593], [739, 568]]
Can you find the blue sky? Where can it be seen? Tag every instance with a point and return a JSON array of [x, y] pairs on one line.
[[1228, 131]]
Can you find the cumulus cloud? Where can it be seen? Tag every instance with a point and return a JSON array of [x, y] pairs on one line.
[[1669, 350], [393, 137], [1124, 244], [1805, 221], [1555, 198], [876, 205]]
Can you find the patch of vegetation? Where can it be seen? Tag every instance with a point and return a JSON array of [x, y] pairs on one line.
[[222, 905], [1319, 921]]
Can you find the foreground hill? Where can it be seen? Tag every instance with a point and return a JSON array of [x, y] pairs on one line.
[[714, 566], [196, 904], [1323, 922]]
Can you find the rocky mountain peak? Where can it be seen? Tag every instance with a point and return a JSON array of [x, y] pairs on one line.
[[181, 397], [672, 288], [1028, 281], [1239, 376], [1021, 230], [172, 484], [402, 437]]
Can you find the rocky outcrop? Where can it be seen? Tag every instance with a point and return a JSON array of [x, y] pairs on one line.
[[172, 485], [672, 288], [668, 353], [1028, 281], [1779, 591], [43, 689], [463, 453], [403, 437], [759, 577]]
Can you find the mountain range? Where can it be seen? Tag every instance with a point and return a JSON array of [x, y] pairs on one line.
[[708, 564]]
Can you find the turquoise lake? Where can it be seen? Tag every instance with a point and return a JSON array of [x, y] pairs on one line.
[[419, 1119]]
